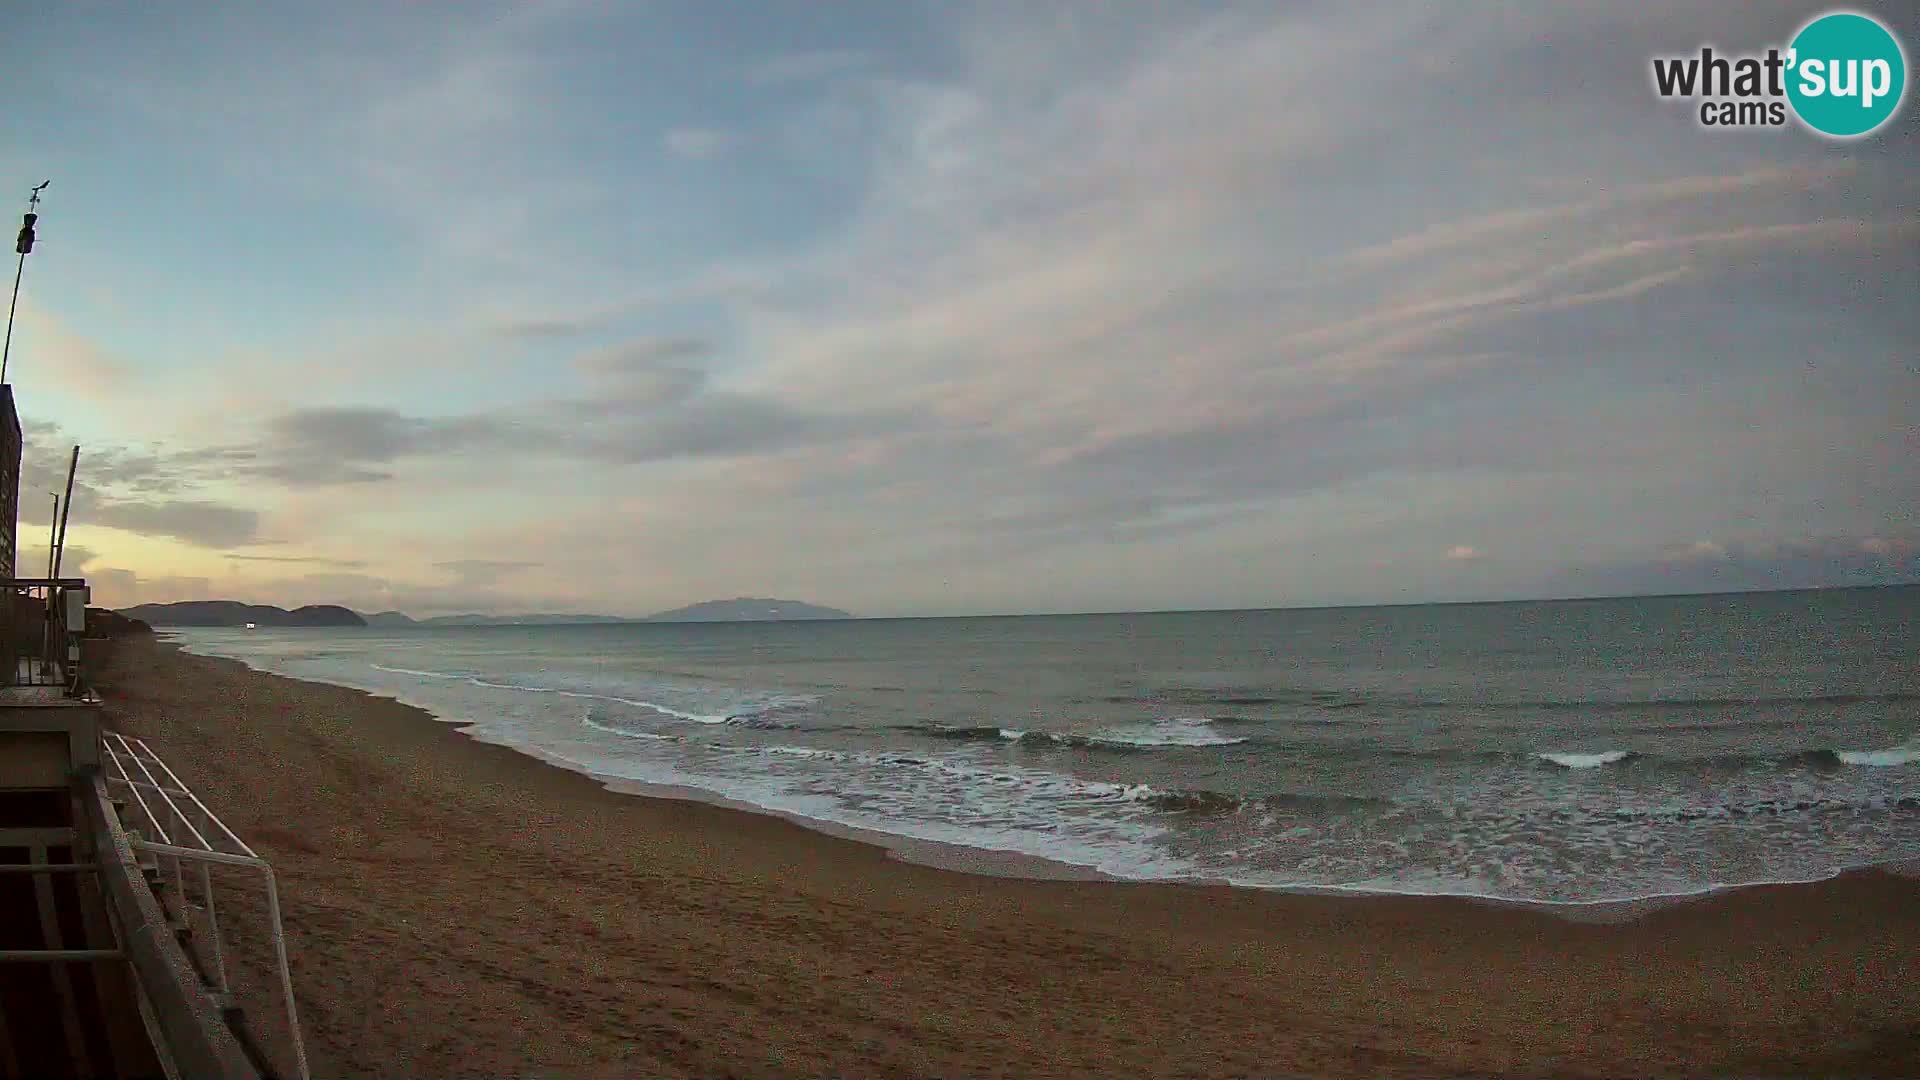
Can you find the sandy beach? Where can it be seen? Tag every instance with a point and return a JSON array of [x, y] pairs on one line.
[[459, 909]]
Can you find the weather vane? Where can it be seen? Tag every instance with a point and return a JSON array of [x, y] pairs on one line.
[[22, 245]]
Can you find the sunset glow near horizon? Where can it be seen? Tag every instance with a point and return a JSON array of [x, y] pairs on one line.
[[918, 309]]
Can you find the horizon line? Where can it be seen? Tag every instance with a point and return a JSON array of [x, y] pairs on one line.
[[1068, 614]]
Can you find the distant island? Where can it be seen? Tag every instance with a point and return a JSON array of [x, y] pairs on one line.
[[749, 609], [234, 613]]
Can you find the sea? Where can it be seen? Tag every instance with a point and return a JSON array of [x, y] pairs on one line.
[[1566, 752]]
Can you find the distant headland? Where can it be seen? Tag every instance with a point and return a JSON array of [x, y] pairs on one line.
[[234, 613]]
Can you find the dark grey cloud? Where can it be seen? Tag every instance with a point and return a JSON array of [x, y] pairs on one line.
[[352, 445], [309, 560], [647, 373], [377, 435], [651, 412], [192, 521], [148, 491], [641, 356], [712, 424]]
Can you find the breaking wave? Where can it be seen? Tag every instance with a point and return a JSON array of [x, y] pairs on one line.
[[1186, 801], [1340, 700], [1587, 761], [762, 715], [1905, 754], [1177, 732]]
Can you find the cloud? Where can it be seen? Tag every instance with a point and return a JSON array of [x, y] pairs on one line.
[[1066, 321], [643, 356], [73, 561], [549, 327], [324, 445], [571, 320], [1626, 203], [1742, 566], [808, 66], [313, 560], [483, 572], [60, 359], [146, 491], [697, 144], [1464, 553], [117, 587], [191, 521], [1698, 549], [358, 591], [650, 412]]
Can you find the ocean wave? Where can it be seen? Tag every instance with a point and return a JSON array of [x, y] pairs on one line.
[[1651, 704], [1819, 760], [1823, 760], [1200, 734], [1239, 697], [1587, 761], [1196, 802], [624, 732], [1905, 754], [417, 672], [757, 716], [1186, 731], [1201, 802], [1763, 808], [1310, 700], [1176, 731]]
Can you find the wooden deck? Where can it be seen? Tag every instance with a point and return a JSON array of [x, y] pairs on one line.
[[77, 1015], [94, 978]]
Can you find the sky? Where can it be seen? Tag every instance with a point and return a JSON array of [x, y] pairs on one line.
[[925, 309]]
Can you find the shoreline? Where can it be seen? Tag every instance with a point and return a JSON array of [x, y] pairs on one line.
[[460, 908], [1019, 865]]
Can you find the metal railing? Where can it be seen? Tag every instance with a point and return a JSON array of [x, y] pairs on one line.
[[171, 827], [41, 622]]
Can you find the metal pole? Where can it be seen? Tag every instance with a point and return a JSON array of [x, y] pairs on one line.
[[46, 617], [6, 353], [24, 245], [286, 975], [66, 511], [59, 553]]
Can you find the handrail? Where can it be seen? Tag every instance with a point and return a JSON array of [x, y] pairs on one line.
[[193, 846], [187, 1026], [188, 792]]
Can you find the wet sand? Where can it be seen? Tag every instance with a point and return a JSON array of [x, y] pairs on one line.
[[459, 909]]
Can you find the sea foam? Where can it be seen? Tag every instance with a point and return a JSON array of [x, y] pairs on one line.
[[1195, 731], [1905, 754], [1587, 761]]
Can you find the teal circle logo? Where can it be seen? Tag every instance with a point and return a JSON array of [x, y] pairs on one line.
[[1847, 75]]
